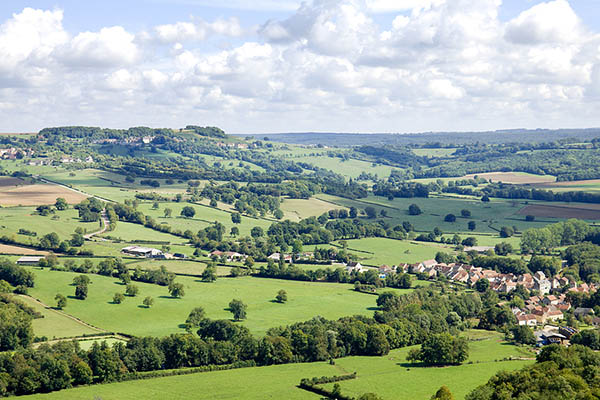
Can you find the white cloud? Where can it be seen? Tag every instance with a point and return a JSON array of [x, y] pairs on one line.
[[198, 30], [552, 22], [109, 47], [328, 65]]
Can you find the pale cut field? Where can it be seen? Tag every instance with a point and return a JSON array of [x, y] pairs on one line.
[[8, 249], [513, 177], [297, 209], [39, 194]]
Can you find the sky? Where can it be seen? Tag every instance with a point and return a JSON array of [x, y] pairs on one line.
[[267, 66]]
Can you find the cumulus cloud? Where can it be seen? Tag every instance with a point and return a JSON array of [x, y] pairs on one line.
[[198, 30], [327, 65], [552, 22]]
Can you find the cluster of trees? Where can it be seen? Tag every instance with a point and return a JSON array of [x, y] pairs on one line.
[[370, 277], [570, 232], [559, 373], [251, 200], [403, 321], [441, 349]]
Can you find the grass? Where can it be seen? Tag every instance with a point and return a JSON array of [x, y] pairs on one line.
[[306, 300], [87, 344], [14, 218], [392, 378], [259, 383], [177, 266], [378, 251], [204, 217], [388, 376], [350, 168], [489, 217], [297, 209], [55, 324], [129, 232]]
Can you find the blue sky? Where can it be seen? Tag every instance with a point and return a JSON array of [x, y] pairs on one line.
[[277, 65]]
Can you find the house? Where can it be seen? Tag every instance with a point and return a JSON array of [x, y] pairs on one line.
[[230, 256], [553, 315], [277, 256], [527, 319], [147, 252], [355, 266], [385, 270], [582, 311], [542, 285], [550, 300], [29, 260]]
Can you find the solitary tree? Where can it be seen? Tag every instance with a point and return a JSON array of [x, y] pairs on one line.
[[371, 212], [188, 212], [196, 316], [450, 218], [443, 393], [118, 298], [176, 289], [278, 214], [209, 274], [61, 301], [132, 290], [238, 309], [414, 209], [155, 205], [465, 213], [235, 231], [236, 218], [168, 212], [61, 204], [281, 296], [472, 225], [148, 302], [81, 292]]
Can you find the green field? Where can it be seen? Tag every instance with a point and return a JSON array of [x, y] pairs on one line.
[[204, 217], [378, 251], [489, 217], [177, 266], [391, 377], [351, 168], [55, 324], [63, 223], [306, 299], [259, 383]]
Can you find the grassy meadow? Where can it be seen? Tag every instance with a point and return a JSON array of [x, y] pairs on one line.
[[306, 299]]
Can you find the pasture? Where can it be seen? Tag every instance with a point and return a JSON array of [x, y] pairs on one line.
[[63, 223], [55, 324], [350, 168], [563, 211], [306, 299], [378, 251], [434, 152], [488, 217], [388, 376], [259, 383], [391, 377]]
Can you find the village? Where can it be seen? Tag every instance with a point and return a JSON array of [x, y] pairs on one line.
[[547, 304]]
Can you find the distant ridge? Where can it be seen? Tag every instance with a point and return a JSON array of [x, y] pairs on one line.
[[445, 138]]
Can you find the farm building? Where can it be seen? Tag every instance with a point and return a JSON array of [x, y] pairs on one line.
[[147, 252], [29, 260]]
